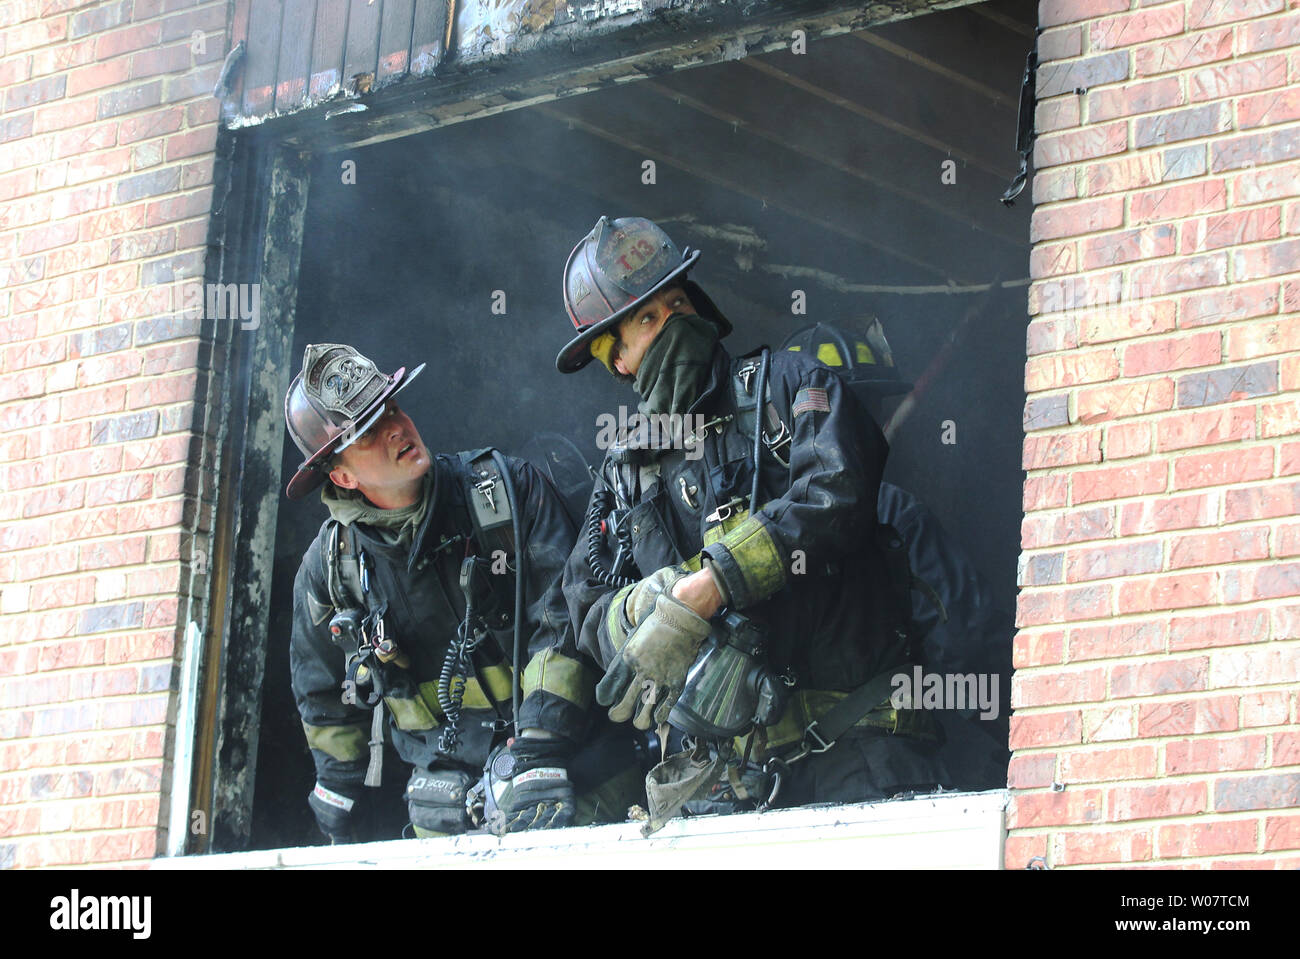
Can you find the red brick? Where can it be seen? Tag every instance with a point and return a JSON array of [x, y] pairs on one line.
[[1155, 678], [1207, 839], [1117, 482], [1074, 219], [1124, 174], [1231, 229], [1058, 687], [1124, 442], [1218, 630], [1121, 639], [1128, 803], [1045, 729], [1058, 113], [1237, 78], [1235, 303], [1286, 749], [1271, 259], [1255, 666], [1282, 832], [1176, 202], [1267, 582], [1033, 771], [146, 126], [1218, 548], [1054, 259], [1264, 339], [1108, 764], [1074, 526], [1075, 293], [1038, 607], [1167, 592], [1214, 755], [1264, 709], [1061, 449], [1051, 186], [1070, 807], [1132, 99], [1046, 492], [1049, 336], [1179, 53], [1037, 649], [138, 37], [1127, 320], [1137, 27], [1055, 12], [1112, 249], [1229, 467], [1216, 714], [62, 593], [37, 33], [1208, 428], [1201, 349], [1103, 403], [1073, 147], [198, 203], [1112, 562]]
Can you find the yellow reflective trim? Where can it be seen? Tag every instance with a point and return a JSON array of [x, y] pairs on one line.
[[498, 682], [795, 349], [561, 676], [715, 533], [614, 618], [411, 714], [865, 355], [602, 348], [828, 354], [344, 743], [755, 553]]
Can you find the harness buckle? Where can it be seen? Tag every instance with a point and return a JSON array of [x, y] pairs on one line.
[[773, 443], [487, 488]]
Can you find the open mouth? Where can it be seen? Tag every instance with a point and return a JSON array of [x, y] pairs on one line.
[[405, 450]]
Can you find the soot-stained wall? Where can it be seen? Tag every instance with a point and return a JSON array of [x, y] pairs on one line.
[[822, 173]]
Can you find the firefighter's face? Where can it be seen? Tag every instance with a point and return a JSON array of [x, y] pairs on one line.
[[387, 463], [637, 331]]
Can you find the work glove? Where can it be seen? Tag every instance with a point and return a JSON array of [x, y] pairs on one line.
[[640, 599], [652, 666], [337, 811], [528, 786], [435, 800]]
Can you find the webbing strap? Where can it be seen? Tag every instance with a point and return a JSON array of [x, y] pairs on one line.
[[845, 714]]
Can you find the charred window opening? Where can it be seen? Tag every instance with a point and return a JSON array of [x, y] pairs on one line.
[[857, 179]]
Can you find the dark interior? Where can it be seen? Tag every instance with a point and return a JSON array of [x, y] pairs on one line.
[[821, 172]]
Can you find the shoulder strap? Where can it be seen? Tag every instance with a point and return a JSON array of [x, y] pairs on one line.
[[342, 569], [744, 386], [490, 509]]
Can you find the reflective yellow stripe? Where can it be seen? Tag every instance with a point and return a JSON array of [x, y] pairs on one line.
[[344, 743], [567, 678], [411, 714], [715, 533], [755, 553]]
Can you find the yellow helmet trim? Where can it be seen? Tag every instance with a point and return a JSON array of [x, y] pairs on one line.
[[864, 354], [828, 354]]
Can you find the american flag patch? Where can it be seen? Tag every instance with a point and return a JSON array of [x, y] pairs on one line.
[[810, 400]]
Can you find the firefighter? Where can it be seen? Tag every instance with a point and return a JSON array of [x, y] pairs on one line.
[[955, 610], [754, 498], [407, 616]]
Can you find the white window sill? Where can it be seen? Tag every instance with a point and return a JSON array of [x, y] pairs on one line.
[[948, 831]]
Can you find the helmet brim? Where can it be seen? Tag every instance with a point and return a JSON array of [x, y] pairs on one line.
[[309, 475], [577, 352]]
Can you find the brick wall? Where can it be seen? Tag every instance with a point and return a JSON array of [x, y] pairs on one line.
[[107, 141], [1159, 645]]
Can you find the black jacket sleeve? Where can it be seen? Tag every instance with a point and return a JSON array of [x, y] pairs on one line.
[[558, 685], [337, 733]]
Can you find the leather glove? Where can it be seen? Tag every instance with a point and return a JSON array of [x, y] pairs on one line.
[[336, 810], [640, 600], [652, 666], [435, 800], [529, 786]]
